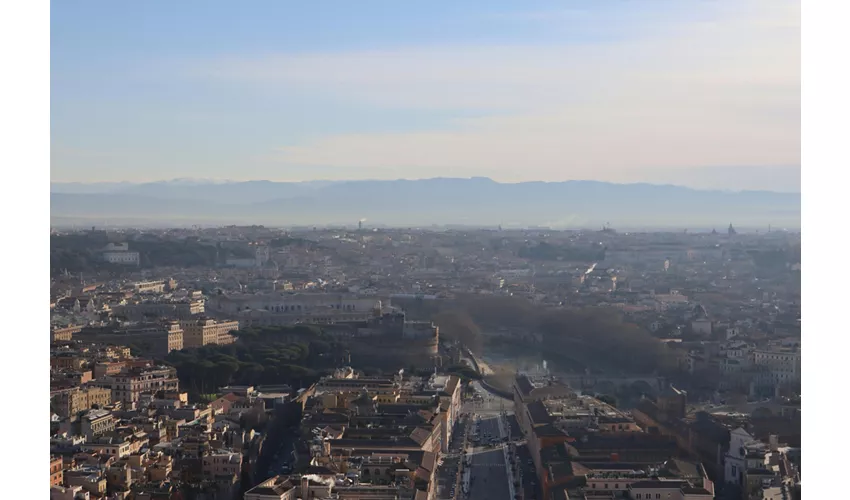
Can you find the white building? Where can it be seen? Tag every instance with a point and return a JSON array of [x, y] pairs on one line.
[[119, 253], [279, 308], [123, 258], [449, 389], [261, 257], [736, 457], [783, 364], [737, 349]]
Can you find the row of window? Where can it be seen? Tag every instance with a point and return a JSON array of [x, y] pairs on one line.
[[345, 307], [638, 496], [773, 356]]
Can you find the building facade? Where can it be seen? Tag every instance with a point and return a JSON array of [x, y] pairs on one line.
[[201, 332], [55, 471], [70, 403], [129, 385]]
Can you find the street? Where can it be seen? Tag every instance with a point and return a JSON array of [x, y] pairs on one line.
[[489, 474], [479, 465]]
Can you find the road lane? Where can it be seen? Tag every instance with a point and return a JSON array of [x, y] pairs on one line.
[[489, 474], [486, 473]]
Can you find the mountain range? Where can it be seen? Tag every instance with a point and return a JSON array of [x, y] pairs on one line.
[[439, 201]]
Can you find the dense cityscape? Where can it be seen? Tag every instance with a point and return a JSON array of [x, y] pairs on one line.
[[376, 363], [439, 250]]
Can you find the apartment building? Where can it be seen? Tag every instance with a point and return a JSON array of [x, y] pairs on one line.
[[64, 334], [55, 471], [784, 364], [69, 493], [96, 422], [204, 331], [155, 339], [222, 463], [129, 385], [448, 389], [182, 309], [667, 490], [149, 287], [70, 403], [67, 361], [286, 308], [109, 446], [107, 368], [125, 258], [670, 479]]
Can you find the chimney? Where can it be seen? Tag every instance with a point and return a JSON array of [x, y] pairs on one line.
[[305, 487]]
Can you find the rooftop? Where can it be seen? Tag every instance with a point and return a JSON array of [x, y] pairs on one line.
[[277, 485]]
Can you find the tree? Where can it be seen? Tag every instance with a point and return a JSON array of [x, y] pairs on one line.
[[262, 356], [459, 326], [607, 398]]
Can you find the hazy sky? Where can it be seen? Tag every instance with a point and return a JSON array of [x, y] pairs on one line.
[[701, 93]]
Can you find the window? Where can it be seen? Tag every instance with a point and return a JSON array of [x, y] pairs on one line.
[[606, 486], [637, 496], [616, 486]]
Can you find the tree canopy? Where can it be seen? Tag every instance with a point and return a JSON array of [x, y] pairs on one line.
[[580, 338], [270, 355]]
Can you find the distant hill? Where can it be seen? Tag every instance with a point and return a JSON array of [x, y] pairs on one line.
[[439, 201]]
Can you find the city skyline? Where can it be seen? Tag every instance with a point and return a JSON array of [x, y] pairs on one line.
[[662, 93]]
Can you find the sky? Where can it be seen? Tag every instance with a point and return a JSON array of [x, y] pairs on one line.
[[698, 93]]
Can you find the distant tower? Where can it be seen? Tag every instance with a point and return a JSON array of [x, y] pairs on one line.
[[360, 225], [732, 231], [666, 265], [261, 255]]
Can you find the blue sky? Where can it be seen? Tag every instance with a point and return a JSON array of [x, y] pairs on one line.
[[623, 91]]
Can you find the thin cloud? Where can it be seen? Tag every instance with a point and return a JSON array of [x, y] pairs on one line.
[[718, 87]]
